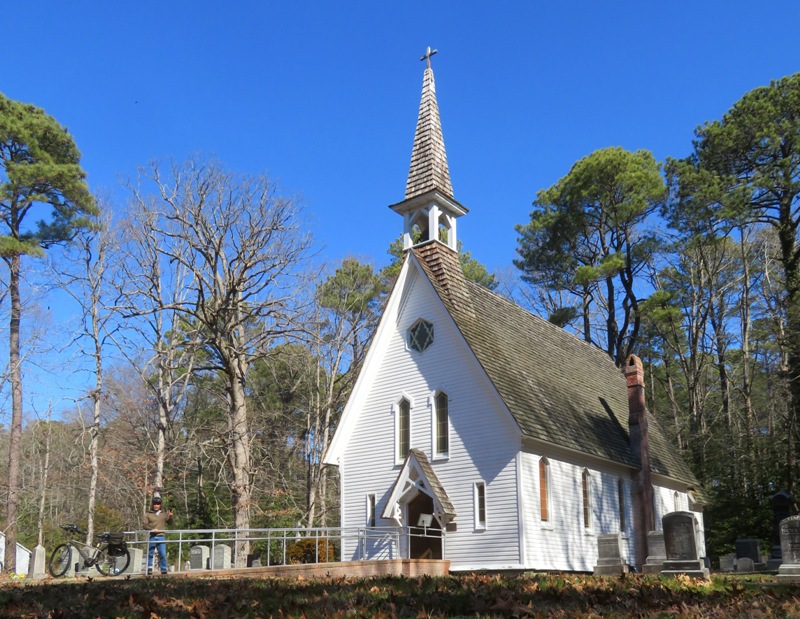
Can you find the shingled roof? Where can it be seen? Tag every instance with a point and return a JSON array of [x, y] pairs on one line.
[[558, 388], [429, 168]]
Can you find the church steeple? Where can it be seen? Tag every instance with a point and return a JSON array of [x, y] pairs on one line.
[[428, 157], [429, 209]]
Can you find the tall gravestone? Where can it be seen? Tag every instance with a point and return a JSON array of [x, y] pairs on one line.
[[609, 556], [790, 549], [37, 568], [781, 503], [137, 558], [680, 542], [198, 557], [656, 553], [222, 557]]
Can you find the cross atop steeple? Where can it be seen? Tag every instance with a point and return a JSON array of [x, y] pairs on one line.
[[427, 55]]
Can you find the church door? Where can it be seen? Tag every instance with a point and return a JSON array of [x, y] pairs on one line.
[[425, 542]]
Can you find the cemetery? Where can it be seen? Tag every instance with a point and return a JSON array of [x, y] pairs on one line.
[[672, 551]]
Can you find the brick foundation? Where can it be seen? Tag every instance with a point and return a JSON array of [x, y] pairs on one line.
[[355, 569]]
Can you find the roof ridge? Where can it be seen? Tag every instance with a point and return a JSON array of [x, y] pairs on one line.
[[445, 267]]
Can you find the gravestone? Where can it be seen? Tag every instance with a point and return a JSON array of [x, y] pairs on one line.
[[745, 565], [790, 549], [253, 560], [680, 542], [222, 557], [781, 503], [38, 569], [727, 563], [656, 553], [198, 557], [750, 549], [609, 556], [775, 558], [137, 555], [74, 558]]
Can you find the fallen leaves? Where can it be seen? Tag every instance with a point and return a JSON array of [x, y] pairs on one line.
[[472, 595]]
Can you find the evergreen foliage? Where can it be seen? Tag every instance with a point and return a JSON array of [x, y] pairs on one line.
[[39, 170]]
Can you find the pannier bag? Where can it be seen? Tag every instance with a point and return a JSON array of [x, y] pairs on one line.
[[116, 544]]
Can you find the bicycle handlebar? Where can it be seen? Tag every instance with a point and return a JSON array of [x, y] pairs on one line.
[[73, 528]]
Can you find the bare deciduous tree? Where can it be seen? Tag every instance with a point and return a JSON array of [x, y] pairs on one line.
[[157, 341], [244, 248], [84, 274]]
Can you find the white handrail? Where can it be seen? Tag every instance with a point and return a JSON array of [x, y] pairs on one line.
[[284, 536]]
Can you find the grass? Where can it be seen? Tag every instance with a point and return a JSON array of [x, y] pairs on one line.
[[536, 595]]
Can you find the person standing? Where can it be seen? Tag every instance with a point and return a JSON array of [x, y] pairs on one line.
[[156, 521]]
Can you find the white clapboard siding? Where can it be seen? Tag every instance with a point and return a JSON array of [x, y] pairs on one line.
[[484, 440], [563, 543]]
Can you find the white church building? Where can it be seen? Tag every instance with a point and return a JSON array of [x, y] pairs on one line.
[[512, 442]]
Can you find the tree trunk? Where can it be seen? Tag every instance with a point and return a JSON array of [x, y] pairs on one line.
[[12, 501], [161, 443], [586, 313], [746, 389], [45, 468], [94, 432], [674, 406], [239, 458], [789, 258]]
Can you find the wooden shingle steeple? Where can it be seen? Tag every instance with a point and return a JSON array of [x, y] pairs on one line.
[[429, 209]]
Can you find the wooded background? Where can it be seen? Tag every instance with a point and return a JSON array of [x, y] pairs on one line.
[[223, 354]]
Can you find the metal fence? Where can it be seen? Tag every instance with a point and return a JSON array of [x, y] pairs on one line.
[[271, 547]]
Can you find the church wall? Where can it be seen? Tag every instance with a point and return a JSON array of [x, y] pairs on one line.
[[483, 440], [563, 543]]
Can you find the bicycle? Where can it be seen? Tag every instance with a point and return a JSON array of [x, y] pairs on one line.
[[110, 556]]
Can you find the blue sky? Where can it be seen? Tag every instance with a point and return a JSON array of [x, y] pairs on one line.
[[323, 96]]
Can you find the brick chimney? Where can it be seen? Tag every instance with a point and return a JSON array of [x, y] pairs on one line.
[[643, 519]]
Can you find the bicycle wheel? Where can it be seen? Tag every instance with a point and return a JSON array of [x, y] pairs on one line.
[[60, 560], [112, 566]]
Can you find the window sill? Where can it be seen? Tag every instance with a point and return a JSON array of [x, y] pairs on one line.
[[547, 526], [479, 529], [440, 457]]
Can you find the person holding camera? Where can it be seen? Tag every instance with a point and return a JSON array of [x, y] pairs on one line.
[[156, 521]]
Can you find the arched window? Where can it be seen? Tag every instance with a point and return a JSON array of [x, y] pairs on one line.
[[544, 489], [587, 506], [656, 525], [441, 425], [479, 497], [371, 500], [403, 428], [621, 503], [676, 500]]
